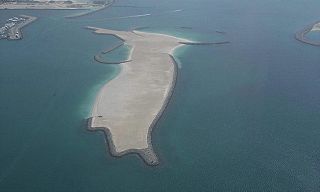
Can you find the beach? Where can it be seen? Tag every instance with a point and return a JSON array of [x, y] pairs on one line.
[[128, 107]]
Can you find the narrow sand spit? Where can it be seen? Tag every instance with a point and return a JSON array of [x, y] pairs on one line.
[[128, 107]]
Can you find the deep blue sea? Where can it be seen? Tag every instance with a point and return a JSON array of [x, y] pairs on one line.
[[243, 117]]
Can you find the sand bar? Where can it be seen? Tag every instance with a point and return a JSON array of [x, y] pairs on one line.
[[128, 107]]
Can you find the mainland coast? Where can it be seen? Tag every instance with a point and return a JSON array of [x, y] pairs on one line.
[[66, 5], [87, 7], [128, 107]]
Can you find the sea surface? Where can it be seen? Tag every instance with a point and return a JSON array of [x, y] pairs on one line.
[[243, 117]]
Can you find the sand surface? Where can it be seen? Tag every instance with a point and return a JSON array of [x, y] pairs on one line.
[[128, 106]]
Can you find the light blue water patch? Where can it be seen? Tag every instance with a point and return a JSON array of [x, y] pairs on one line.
[[314, 36]]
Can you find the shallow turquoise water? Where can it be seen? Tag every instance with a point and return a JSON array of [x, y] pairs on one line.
[[314, 35], [244, 116]]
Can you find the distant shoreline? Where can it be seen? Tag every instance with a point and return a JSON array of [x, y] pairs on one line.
[[48, 5], [58, 5]]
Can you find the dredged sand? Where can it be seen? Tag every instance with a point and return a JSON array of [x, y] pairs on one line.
[[128, 106]]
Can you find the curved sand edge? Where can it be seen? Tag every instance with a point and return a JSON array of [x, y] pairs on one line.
[[128, 126]]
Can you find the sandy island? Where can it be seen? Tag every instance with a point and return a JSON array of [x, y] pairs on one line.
[[128, 107], [302, 35]]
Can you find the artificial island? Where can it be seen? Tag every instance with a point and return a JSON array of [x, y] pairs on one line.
[[302, 35], [128, 107]]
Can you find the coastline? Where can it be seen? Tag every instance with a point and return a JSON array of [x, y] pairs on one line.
[[146, 152]]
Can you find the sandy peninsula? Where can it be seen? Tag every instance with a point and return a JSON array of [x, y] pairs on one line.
[[128, 107]]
